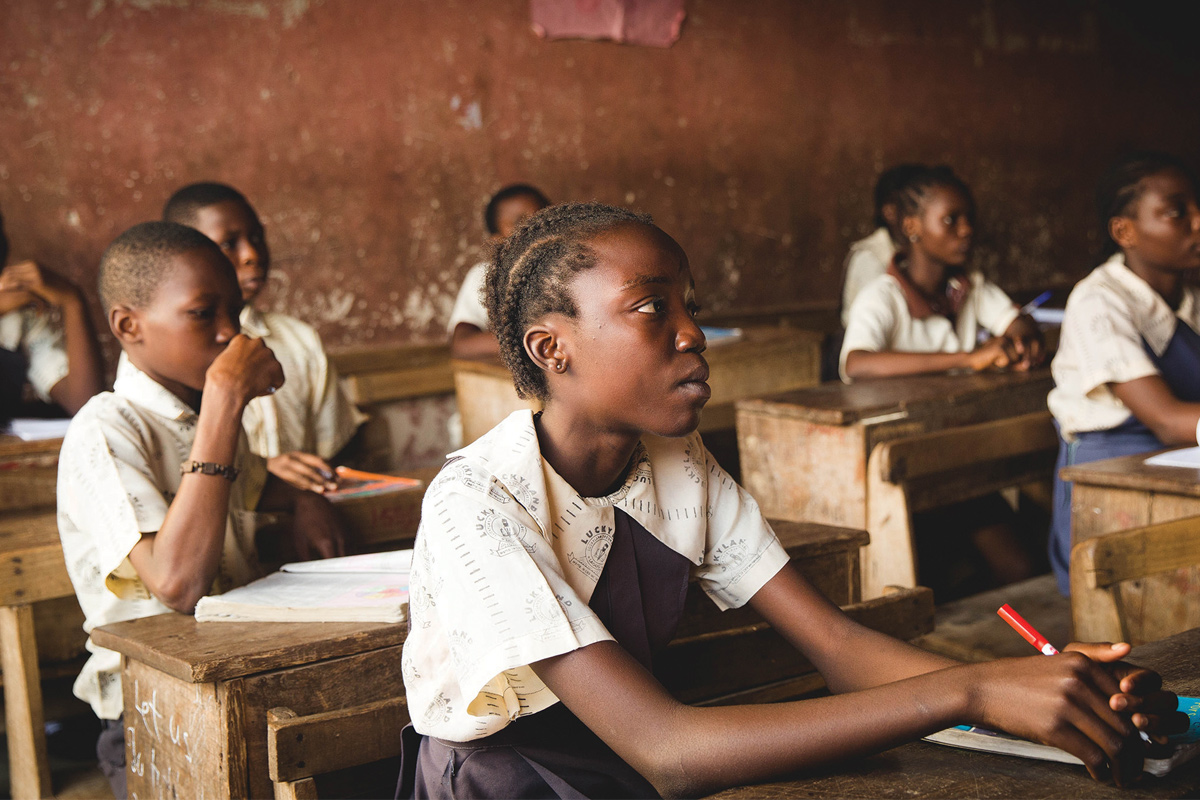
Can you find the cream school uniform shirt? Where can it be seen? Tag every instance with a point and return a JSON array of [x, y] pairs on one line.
[[468, 305], [37, 336], [508, 555], [880, 321], [118, 471], [1109, 314], [867, 260], [310, 412]]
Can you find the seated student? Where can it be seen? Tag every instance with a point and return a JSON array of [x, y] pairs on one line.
[[1127, 372], [869, 256], [470, 334], [555, 551], [310, 420], [58, 357], [925, 314], [156, 490]]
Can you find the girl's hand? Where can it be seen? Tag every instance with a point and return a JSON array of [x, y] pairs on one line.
[[317, 531], [40, 283], [306, 471], [1064, 701], [992, 354], [1025, 341], [1140, 694]]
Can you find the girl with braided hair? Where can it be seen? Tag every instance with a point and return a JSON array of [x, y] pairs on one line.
[[926, 312], [555, 551]]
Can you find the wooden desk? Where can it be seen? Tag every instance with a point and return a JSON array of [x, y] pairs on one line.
[[28, 473], [764, 360], [805, 454], [1118, 494], [923, 770], [197, 694]]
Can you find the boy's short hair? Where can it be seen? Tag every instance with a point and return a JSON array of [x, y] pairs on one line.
[[135, 263], [183, 206], [507, 193]]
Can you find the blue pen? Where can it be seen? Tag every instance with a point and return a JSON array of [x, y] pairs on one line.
[[1037, 301]]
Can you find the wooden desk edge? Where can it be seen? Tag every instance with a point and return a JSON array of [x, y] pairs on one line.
[[132, 639]]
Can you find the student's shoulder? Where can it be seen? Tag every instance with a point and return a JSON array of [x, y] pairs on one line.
[[280, 324], [883, 292], [1104, 289], [501, 455], [106, 416]]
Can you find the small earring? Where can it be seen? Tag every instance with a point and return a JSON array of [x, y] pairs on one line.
[[560, 366], [914, 237]]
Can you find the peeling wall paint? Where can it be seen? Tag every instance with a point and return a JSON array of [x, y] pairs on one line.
[[369, 133]]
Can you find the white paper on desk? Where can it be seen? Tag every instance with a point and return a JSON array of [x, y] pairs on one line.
[[311, 597], [713, 335], [1188, 457], [34, 430], [395, 562]]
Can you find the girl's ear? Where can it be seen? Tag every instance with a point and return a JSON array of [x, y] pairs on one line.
[[543, 344], [1123, 232], [911, 227], [125, 325]]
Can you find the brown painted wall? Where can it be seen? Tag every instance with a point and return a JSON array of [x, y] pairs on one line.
[[369, 133]]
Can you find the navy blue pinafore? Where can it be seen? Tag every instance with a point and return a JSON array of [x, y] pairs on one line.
[[1179, 366]]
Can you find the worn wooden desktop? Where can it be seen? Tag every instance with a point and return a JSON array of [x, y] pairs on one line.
[[764, 360], [805, 453], [197, 693], [1119, 494], [924, 770]]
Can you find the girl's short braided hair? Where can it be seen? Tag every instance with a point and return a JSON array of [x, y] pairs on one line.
[[530, 276]]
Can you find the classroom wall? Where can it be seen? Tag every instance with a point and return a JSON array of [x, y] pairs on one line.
[[369, 133]]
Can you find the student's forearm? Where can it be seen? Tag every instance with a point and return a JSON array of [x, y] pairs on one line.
[[84, 378], [1151, 400], [892, 364], [186, 551]]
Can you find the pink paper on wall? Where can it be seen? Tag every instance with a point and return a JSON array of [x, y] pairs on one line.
[[655, 23]]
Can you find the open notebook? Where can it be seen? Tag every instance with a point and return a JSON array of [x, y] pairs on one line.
[[1160, 759], [364, 588]]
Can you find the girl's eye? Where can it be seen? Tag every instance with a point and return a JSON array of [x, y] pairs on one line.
[[694, 310], [203, 313], [229, 245], [651, 306], [948, 221]]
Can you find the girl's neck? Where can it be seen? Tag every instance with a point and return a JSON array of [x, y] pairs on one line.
[[592, 461], [1167, 283], [926, 272]]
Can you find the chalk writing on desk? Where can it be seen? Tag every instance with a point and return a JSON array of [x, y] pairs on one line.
[[159, 743]]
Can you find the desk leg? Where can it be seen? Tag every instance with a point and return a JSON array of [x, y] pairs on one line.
[[29, 768]]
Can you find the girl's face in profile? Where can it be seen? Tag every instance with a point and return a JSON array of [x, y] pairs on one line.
[[943, 227], [634, 349], [1166, 222]]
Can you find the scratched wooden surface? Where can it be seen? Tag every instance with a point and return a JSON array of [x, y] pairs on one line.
[[923, 770], [804, 453]]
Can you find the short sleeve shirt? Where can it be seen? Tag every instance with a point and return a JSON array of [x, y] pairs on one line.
[[118, 471], [508, 555], [310, 412], [468, 305], [880, 321], [40, 339], [1109, 315], [867, 260]]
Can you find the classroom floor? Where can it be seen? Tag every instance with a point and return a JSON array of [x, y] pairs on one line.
[[73, 771]]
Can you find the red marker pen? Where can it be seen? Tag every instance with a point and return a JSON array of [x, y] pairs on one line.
[[1026, 630]]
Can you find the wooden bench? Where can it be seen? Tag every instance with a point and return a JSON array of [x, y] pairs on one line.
[[302, 747], [918, 473], [31, 571], [1111, 602]]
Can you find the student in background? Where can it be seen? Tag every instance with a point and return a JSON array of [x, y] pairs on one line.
[[869, 256], [554, 556], [470, 334], [1127, 372], [310, 421], [155, 490], [924, 315], [58, 357]]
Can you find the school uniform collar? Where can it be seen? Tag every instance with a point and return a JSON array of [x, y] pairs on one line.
[[878, 243], [140, 389], [920, 305], [669, 499], [254, 322], [1155, 319]]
